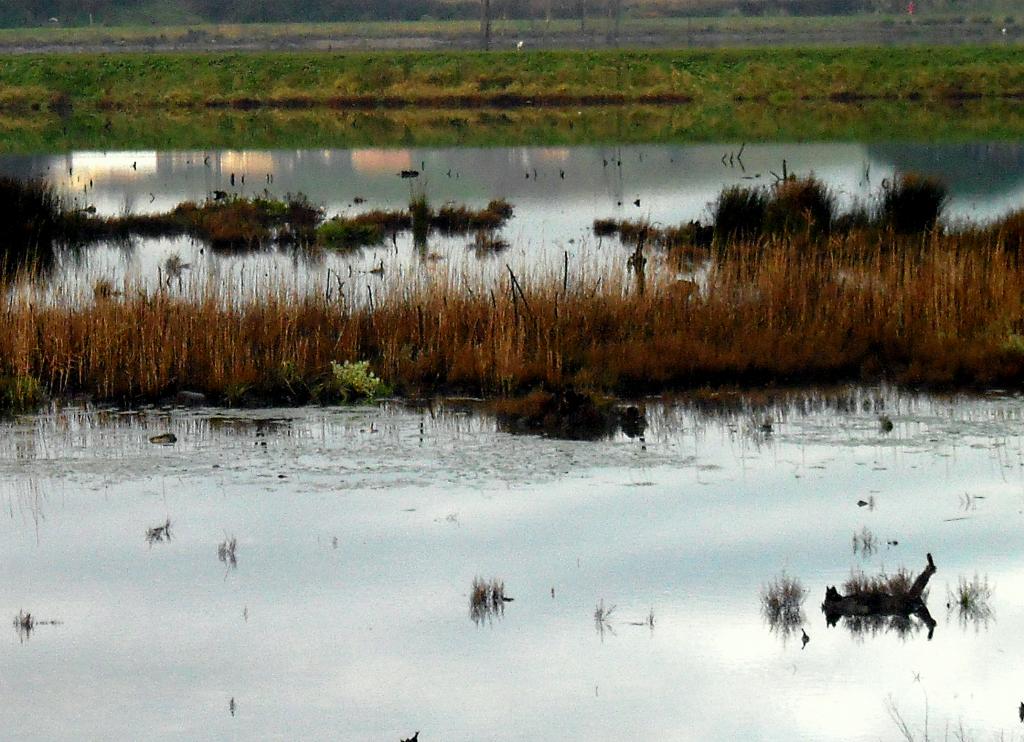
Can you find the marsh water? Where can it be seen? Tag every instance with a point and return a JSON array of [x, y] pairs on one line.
[[344, 610], [557, 193]]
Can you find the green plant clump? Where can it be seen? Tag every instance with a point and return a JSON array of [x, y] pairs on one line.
[[19, 393], [344, 234], [353, 382]]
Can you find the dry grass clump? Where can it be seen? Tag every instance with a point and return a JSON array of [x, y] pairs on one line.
[[452, 219], [487, 599], [782, 603], [800, 206], [971, 599], [738, 214], [896, 584], [934, 310], [226, 552], [912, 203]]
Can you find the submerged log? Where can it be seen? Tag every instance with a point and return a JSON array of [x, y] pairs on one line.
[[878, 603]]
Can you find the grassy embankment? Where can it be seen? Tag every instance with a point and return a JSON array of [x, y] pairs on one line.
[[794, 294], [267, 100], [467, 79]]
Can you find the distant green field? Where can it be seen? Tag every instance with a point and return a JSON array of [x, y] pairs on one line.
[[466, 79]]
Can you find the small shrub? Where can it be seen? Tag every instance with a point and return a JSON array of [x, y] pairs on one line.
[[352, 382], [739, 213], [800, 205], [911, 204]]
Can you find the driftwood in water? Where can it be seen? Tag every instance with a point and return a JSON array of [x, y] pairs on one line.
[[881, 604]]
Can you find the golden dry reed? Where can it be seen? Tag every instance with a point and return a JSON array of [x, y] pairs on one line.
[[933, 310]]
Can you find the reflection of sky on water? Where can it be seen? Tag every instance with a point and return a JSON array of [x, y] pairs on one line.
[[371, 639], [674, 183]]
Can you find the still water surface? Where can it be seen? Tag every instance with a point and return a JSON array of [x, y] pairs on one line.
[[360, 531]]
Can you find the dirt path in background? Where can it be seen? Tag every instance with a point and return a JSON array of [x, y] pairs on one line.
[[938, 34]]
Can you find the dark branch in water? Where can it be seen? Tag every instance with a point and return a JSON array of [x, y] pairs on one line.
[[870, 604]]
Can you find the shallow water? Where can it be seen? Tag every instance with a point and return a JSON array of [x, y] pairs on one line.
[[557, 193], [361, 530]]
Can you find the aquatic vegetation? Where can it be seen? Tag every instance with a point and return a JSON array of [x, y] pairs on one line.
[[782, 602], [352, 382], [488, 243], [344, 234], [20, 393], [925, 310], [232, 223], [602, 618], [31, 213], [487, 599], [226, 551], [562, 413], [800, 206], [897, 583], [882, 602], [452, 219], [159, 533], [971, 600], [630, 232], [911, 203], [738, 214], [24, 622], [865, 543], [806, 208]]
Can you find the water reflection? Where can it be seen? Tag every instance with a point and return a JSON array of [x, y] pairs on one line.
[[349, 614]]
